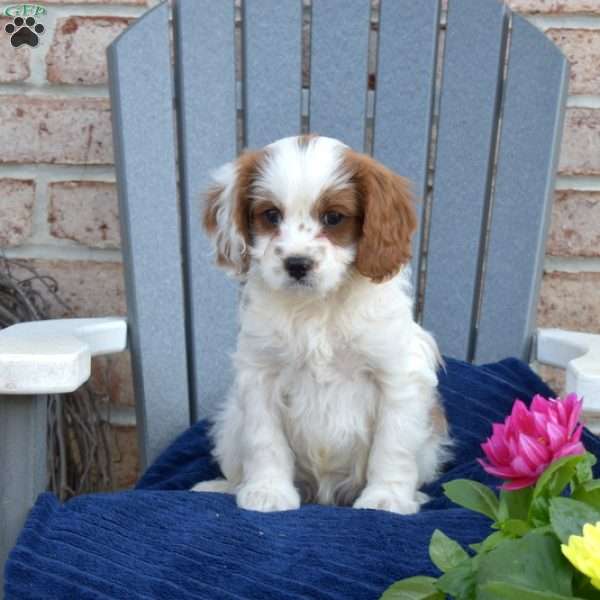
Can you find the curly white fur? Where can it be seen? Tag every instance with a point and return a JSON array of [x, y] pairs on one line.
[[335, 383]]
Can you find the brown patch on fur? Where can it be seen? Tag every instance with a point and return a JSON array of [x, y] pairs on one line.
[[345, 202], [247, 166], [389, 217], [438, 419]]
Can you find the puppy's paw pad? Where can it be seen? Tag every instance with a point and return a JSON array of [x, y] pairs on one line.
[[267, 497], [384, 499]]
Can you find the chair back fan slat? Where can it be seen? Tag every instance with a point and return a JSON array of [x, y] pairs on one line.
[[529, 144], [272, 70], [338, 69], [206, 88], [480, 288], [405, 89], [469, 105], [145, 152]]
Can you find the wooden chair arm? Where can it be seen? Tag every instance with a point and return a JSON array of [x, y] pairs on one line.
[[579, 354], [50, 357]]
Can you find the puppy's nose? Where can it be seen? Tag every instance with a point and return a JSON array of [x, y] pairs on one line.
[[298, 266]]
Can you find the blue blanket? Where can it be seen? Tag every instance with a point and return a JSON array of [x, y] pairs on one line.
[[160, 541]]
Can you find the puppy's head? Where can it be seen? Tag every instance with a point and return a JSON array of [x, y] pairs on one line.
[[307, 211]]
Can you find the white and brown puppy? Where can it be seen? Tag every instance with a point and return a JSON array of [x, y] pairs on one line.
[[334, 398]]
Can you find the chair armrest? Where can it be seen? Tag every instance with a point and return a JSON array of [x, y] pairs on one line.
[[579, 354], [51, 357]]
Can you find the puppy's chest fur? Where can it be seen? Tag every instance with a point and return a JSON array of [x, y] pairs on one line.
[[327, 399]]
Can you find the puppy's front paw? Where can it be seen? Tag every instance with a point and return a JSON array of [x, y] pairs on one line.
[[268, 496], [385, 497]]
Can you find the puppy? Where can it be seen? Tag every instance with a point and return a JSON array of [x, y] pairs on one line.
[[334, 399]]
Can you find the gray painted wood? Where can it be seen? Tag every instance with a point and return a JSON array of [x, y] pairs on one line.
[[338, 69], [528, 154], [405, 88], [144, 140], [272, 68], [23, 472], [474, 53], [205, 79]]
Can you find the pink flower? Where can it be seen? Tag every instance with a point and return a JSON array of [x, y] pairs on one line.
[[532, 438]]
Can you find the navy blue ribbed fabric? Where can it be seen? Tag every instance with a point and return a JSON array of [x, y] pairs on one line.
[[161, 541]]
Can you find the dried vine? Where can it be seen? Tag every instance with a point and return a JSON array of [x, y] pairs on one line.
[[79, 449]]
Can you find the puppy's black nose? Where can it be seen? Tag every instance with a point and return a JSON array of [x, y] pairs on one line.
[[298, 266]]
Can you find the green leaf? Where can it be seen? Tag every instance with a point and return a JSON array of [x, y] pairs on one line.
[[473, 495], [515, 504], [491, 541], [534, 561], [568, 516], [583, 472], [556, 477], [583, 588], [538, 511], [414, 588], [500, 590], [445, 553], [515, 527], [459, 582], [589, 493]]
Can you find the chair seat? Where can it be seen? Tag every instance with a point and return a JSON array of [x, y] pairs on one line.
[[160, 541]]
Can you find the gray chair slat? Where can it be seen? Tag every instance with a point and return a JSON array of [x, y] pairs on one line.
[[338, 69], [273, 65], [529, 144], [205, 79], [408, 40], [474, 54], [23, 456], [144, 140]]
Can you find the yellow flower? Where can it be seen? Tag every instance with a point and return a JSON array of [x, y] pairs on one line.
[[584, 552]]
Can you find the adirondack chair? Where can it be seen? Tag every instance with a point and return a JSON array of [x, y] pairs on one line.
[[478, 255]]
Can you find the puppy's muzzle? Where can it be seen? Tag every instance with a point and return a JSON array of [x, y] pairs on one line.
[[298, 266]]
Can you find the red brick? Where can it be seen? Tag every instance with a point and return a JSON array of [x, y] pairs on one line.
[[556, 6], [85, 211], [582, 48], [554, 377], [581, 142], [575, 228], [570, 301], [78, 51], [16, 209], [52, 130], [125, 453], [14, 62], [90, 288], [111, 376]]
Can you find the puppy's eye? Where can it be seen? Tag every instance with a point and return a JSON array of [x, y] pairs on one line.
[[332, 218], [273, 215]]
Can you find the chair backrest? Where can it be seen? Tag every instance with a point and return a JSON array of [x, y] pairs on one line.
[[468, 105]]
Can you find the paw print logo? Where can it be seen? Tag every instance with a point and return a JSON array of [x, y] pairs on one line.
[[24, 31]]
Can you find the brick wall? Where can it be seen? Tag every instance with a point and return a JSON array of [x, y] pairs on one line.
[[58, 205]]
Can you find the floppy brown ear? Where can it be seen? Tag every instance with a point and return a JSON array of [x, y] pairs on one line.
[[226, 215], [389, 218]]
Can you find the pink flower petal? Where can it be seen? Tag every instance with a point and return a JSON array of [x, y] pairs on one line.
[[521, 467], [535, 452], [519, 484], [502, 472], [572, 449], [556, 436]]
